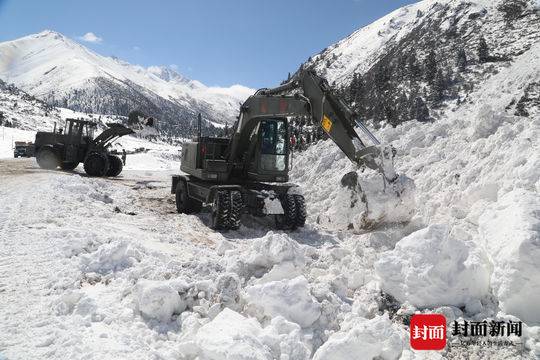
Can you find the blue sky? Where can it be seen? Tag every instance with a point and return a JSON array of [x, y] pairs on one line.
[[219, 42]]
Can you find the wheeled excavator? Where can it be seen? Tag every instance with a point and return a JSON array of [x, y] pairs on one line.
[[248, 171]]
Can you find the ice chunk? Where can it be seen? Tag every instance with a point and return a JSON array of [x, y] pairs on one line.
[[486, 122], [231, 336], [434, 266], [367, 339], [288, 298], [158, 300], [510, 230]]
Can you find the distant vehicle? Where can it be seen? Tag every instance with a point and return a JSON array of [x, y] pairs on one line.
[[66, 149], [23, 149]]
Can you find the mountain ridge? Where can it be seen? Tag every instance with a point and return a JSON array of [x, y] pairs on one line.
[[64, 73]]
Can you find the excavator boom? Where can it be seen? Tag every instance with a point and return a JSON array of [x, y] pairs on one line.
[[337, 120]]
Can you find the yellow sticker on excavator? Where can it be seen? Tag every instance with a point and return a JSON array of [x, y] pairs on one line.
[[326, 123]]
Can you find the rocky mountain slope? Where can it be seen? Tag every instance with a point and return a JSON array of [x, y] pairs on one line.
[[64, 73], [423, 60]]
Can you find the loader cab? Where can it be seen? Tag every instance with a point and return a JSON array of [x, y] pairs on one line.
[[270, 160], [78, 135]]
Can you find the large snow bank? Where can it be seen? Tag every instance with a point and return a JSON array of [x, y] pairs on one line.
[[510, 230], [437, 265], [288, 298], [363, 339]]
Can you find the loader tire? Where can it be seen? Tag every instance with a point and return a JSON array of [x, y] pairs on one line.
[[47, 159], [287, 221], [69, 165], [237, 205], [115, 165], [96, 164], [300, 204], [185, 204], [221, 208]]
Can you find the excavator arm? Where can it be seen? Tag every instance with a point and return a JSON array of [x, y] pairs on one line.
[[337, 120]]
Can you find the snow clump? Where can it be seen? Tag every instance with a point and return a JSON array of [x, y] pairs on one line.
[[437, 265]]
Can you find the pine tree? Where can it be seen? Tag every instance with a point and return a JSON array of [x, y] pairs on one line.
[[440, 85], [461, 60], [413, 70], [420, 110], [431, 67], [483, 50]]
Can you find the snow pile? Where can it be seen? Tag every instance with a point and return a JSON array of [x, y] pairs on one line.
[[232, 336], [510, 230], [111, 257], [158, 300], [275, 255], [364, 339], [486, 122], [434, 266], [340, 203], [288, 298]]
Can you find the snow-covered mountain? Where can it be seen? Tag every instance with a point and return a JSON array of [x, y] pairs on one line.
[[64, 73], [426, 58]]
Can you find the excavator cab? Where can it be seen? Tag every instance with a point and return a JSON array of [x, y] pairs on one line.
[[269, 160]]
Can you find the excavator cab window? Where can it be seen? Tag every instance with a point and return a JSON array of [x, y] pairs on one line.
[[273, 134]]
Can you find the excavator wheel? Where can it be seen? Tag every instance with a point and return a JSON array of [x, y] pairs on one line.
[[221, 209], [237, 205], [300, 210], [184, 204], [69, 165], [115, 165], [96, 164], [47, 159], [287, 221]]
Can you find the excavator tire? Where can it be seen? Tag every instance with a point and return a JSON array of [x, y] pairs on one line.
[[96, 164], [300, 210], [221, 209], [69, 165], [184, 204], [115, 165], [237, 205], [47, 159], [287, 221]]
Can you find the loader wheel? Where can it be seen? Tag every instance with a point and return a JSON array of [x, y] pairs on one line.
[[300, 204], [115, 165], [220, 210], [96, 164], [237, 205], [47, 159], [184, 204], [69, 165], [288, 220]]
